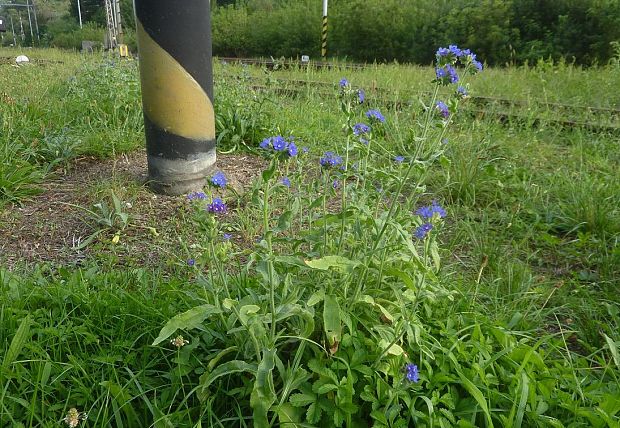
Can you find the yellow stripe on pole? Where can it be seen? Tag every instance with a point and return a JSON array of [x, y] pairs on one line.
[[173, 100]]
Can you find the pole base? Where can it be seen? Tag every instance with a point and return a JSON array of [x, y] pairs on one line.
[[180, 176]]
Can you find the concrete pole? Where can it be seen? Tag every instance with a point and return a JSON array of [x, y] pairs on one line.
[[13, 31], [324, 32], [36, 21], [30, 23], [79, 12], [174, 45]]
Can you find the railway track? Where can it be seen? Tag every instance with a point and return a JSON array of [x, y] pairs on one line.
[[533, 112]]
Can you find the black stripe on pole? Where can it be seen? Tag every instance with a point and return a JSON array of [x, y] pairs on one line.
[[324, 38], [183, 29], [176, 147], [174, 44]]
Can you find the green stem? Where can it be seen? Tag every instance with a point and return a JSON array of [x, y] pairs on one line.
[[394, 201], [272, 298]]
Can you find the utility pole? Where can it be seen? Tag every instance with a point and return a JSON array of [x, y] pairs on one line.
[[21, 26], [79, 12], [13, 31], [30, 23], [177, 92], [324, 32], [36, 21]]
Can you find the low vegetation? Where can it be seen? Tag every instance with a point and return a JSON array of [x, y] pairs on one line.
[[396, 262]]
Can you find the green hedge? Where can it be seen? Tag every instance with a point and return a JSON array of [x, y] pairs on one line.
[[501, 31]]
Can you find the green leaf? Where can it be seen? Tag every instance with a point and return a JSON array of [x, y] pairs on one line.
[[263, 395], [313, 415], [473, 390], [289, 416], [393, 350], [302, 400], [227, 368], [316, 297], [246, 311], [331, 320], [186, 321], [337, 262], [19, 340], [269, 172], [213, 362], [284, 221], [324, 389], [124, 401], [613, 347]]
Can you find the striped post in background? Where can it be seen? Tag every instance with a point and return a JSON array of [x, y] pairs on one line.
[[174, 44], [324, 32]]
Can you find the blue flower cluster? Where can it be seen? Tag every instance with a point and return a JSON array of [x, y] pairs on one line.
[[280, 144], [453, 53], [219, 179], [196, 196], [412, 373], [375, 115], [217, 206], [427, 212], [443, 109], [330, 160], [361, 129], [446, 74], [423, 230]]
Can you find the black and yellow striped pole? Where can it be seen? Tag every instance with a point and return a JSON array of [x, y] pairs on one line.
[[324, 32], [174, 46]]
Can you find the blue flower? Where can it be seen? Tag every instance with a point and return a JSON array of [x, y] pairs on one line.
[[217, 206], [428, 211], [343, 83], [375, 115], [443, 52], [440, 72], [279, 143], [336, 184], [191, 262], [227, 236], [443, 109], [360, 129], [292, 149], [196, 195], [454, 77], [461, 91], [399, 159], [477, 64], [219, 179], [286, 181], [305, 149], [361, 95], [330, 160], [412, 374], [455, 51], [422, 231], [266, 143]]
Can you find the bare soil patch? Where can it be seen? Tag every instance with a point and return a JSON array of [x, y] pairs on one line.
[[50, 226]]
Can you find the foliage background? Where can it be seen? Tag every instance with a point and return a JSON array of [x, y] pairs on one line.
[[500, 31]]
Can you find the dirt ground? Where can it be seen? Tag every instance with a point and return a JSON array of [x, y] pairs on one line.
[[50, 226]]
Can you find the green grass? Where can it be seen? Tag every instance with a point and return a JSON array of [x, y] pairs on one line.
[[518, 326]]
